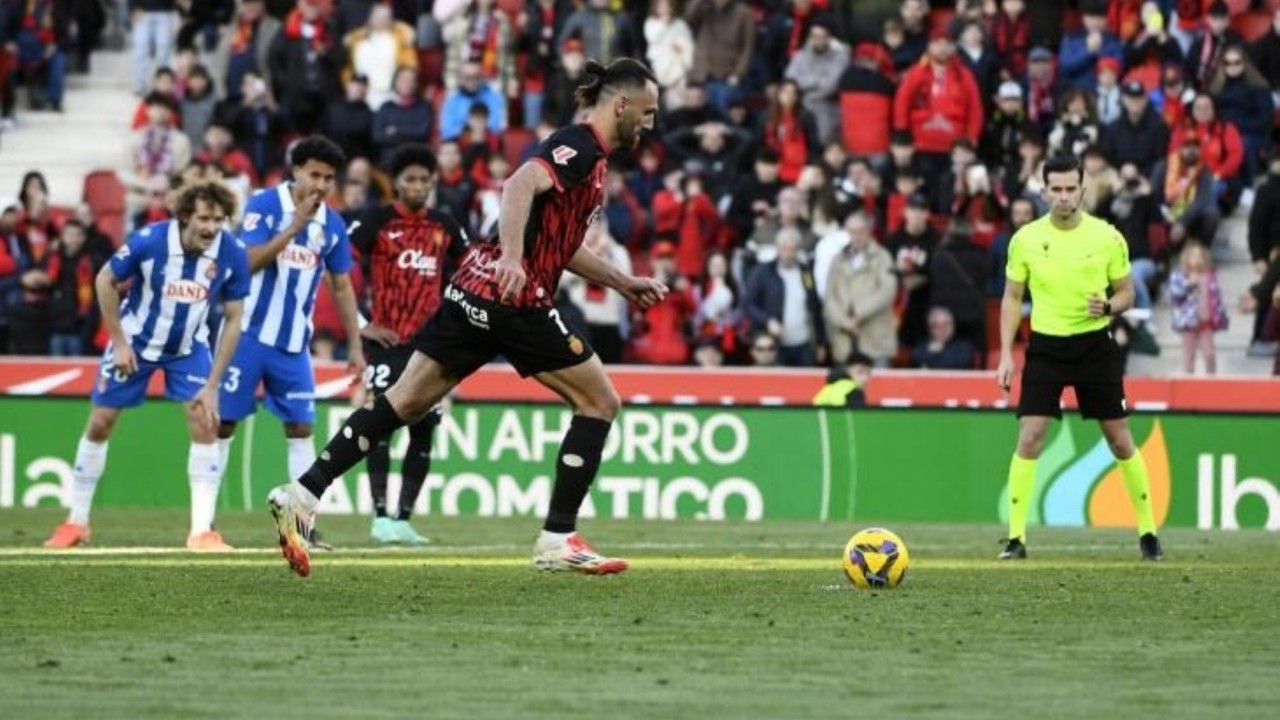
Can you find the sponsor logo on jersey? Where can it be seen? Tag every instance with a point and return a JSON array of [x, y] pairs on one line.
[[575, 345], [251, 221], [476, 316], [414, 259], [186, 291], [563, 154], [299, 257]]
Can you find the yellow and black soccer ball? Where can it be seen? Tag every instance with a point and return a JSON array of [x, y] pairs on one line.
[[876, 558]]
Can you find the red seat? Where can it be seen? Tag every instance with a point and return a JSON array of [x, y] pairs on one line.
[[867, 119], [105, 196], [1252, 25], [431, 67], [514, 142]]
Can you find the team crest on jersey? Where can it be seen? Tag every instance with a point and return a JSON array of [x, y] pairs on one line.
[[186, 291], [123, 252], [211, 272], [575, 345], [563, 154]]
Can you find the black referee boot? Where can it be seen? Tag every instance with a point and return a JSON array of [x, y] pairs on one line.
[[1013, 550], [1150, 546]]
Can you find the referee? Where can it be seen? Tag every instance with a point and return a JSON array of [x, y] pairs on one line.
[[1077, 268]]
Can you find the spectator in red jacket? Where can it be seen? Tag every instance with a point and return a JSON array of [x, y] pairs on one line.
[[792, 132], [1011, 33], [1221, 148], [659, 332], [938, 101], [685, 216], [866, 101]]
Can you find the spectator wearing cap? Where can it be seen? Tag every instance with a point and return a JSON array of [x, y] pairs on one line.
[[244, 47], [1152, 45], [978, 56], [1244, 100], [859, 302], [1003, 133], [377, 51], [472, 88], [816, 69], [938, 102], [1183, 188], [1265, 53], [1011, 35], [912, 247], [1205, 55], [350, 123], [792, 132], [606, 33], [1221, 149], [725, 33], [479, 33], [306, 64], [782, 301], [1079, 53], [865, 95], [1041, 89], [1107, 92], [1138, 136]]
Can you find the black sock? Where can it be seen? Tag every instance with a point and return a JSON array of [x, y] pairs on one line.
[[378, 464], [417, 463], [365, 428], [582, 447]]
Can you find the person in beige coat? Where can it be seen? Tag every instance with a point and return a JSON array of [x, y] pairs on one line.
[[858, 307]]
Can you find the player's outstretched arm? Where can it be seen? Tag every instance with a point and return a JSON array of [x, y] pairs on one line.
[[109, 304], [643, 291], [533, 178]]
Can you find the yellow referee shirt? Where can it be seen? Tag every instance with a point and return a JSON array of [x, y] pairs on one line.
[[1062, 268]]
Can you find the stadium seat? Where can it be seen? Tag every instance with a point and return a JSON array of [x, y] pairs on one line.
[[1252, 25], [514, 142], [105, 195]]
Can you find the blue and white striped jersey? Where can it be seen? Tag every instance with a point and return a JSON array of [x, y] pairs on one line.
[[282, 294], [164, 314]]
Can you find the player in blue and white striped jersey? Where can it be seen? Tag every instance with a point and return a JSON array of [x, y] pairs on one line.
[[178, 268], [293, 238]]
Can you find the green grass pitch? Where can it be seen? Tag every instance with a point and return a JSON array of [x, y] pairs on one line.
[[713, 621]]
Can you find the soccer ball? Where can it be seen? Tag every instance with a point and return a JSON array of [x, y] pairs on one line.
[[875, 558]]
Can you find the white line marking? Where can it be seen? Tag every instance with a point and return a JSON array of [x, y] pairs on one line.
[[824, 446], [45, 384]]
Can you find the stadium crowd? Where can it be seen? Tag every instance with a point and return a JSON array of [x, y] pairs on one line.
[[821, 182]]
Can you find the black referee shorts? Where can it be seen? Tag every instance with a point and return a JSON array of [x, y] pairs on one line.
[[1091, 363], [469, 331]]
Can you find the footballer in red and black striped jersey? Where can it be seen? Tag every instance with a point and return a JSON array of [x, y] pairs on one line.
[[576, 158]]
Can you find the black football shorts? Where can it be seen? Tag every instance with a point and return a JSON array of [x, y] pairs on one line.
[[1091, 363]]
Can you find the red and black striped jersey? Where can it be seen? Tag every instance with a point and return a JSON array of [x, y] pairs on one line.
[[576, 158], [406, 257]]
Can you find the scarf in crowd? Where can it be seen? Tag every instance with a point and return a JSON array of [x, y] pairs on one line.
[[39, 19], [242, 36], [317, 33], [1179, 186], [155, 155], [482, 43]]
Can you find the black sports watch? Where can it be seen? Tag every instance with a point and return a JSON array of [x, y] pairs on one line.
[[1106, 308]]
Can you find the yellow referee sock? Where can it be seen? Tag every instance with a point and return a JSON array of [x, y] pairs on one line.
[[1135, 481], [1022, 481]]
